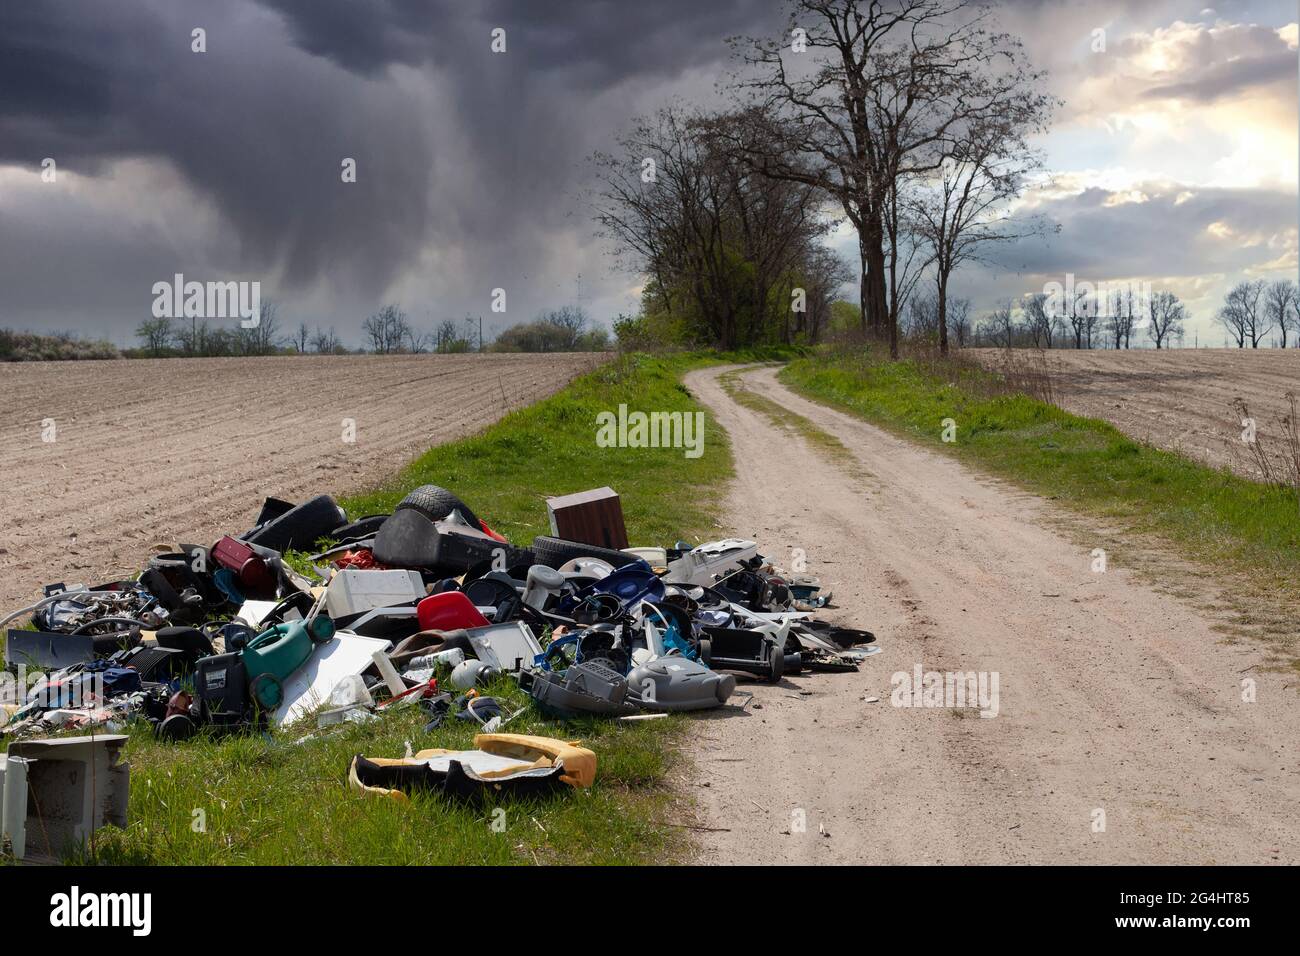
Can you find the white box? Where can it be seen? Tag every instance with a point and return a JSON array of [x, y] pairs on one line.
[[353, 590]]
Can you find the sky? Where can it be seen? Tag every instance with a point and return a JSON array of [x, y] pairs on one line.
[[1173, 160]]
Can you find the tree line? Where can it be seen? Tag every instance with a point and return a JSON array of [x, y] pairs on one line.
[[388, 331], [1253, 312], [1254, 309]]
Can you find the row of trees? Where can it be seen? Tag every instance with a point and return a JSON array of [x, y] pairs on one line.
[[1080, 320], [197, 337], [909, 118], [1254, 309], [388, 331]]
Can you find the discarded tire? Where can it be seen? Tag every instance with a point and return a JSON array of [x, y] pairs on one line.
[[436, 503], [775, 664], [554, 552]]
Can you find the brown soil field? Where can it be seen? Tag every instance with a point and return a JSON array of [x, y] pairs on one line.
[[1177, 399], [148, 452]]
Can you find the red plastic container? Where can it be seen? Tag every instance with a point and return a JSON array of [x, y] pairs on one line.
[[448, 611], [254, 574]]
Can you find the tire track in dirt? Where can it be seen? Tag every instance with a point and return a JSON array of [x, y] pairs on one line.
[[1112, 697], [148, 452]]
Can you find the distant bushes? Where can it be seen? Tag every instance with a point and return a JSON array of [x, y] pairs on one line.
[[59, 347], [566, 329]]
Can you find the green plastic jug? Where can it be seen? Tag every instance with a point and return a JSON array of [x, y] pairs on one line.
[[272, 656]]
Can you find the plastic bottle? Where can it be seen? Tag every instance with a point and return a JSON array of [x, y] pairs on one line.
[[448, 658]]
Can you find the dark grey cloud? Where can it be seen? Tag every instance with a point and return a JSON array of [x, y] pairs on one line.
[[256, 130], [591, 43], [468, 161]]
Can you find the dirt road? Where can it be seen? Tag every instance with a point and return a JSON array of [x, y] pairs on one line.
[[1178, 399], [145, 452], [1117, 706]]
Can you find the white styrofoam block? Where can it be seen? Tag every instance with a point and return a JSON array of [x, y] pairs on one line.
[[354, 590]]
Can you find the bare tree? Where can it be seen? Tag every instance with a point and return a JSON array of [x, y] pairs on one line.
[[571, 320], [302, 338], [889, 83], [1091, 303], [962, 210], [445, 337], [1166, 313], [1040, 322], [418, 342], [1242, 313], [263, 338], [326, 343], [156, 334], [1081, 313], [1001, 326], [388, 329], [959, 321], [1281, 301], [920, 321], [1121, 314]]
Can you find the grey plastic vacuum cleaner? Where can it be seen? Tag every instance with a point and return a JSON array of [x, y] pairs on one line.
[[677, 683]]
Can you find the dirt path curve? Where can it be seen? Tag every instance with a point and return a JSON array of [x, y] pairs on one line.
[[149, 451], [1113, 698]]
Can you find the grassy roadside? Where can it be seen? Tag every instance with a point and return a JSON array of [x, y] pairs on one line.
[[1246, 535], [281, 799]]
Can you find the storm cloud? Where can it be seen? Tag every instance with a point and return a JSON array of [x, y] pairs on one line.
[[227, 163], [471, 164]]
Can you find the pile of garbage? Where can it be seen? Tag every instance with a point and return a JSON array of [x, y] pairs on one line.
[[424, 607]]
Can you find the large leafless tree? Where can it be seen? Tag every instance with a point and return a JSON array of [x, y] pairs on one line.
[[962, 211], [1244, 313], [860, 95], [1166, 314], [1281, 301]]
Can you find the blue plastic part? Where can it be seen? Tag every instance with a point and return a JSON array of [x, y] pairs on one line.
[[630, 584]]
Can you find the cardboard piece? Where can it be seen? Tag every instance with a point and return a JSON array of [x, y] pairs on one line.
[[310, 686]]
